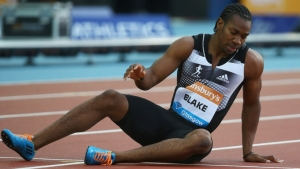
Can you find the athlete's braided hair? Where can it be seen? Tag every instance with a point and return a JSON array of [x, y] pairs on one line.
[[234, 9]]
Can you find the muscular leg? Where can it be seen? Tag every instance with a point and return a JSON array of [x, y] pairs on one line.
[[109, 104], [172, 150], [114, 105]]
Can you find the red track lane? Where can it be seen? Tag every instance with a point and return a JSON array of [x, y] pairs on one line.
[[72, 148]]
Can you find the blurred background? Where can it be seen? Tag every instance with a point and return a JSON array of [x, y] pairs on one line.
[[44, 40]]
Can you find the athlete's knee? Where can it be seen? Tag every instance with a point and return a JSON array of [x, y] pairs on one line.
[[111, 104], [202, 141], [109, 99]]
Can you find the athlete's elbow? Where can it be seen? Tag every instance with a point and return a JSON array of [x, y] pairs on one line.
[[144, 88], [143, 85]]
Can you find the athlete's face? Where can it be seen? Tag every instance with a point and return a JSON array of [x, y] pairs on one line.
[[233, 34]]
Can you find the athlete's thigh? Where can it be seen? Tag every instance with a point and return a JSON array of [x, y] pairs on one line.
[[146, 122]]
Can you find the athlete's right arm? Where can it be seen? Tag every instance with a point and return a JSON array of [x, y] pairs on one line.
[[176, 54]]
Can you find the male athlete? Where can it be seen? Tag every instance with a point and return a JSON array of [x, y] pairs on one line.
[[183, 133]]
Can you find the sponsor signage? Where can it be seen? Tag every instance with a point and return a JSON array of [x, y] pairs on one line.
[[273, 7], [274, 16], [275, 24], [120, 27]]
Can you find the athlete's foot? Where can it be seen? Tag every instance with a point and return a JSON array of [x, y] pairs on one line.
[[22, 144], [97, 156]]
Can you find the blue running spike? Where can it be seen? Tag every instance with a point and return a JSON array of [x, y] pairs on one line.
[[21, 144], [97, 156]]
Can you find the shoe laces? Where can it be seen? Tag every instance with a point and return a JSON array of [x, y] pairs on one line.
[[104, 158], [25, 136]]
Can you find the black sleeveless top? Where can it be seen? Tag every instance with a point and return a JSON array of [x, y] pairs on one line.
[[203, 95]]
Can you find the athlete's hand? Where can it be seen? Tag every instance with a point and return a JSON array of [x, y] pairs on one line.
[[135, 72], [262, 159]]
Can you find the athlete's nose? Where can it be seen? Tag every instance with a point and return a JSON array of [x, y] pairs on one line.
[[237, 40]]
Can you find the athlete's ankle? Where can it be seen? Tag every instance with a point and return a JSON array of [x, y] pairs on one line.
[[36, 144]]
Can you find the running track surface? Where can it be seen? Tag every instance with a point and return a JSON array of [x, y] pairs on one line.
[[28, 108]]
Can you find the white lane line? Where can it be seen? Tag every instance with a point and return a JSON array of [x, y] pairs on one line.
[[258, 145], [282, 117], [167, 164], [82, 94], [114, 78], [218, 165], [262, 98], [267, 118], [97, 132], [62, 81], [273, 98], [33, 114], [289, 116], [292, 116], [213, 165], [280, 97], [127, 91], [54, 165], [165, 105], [280, 82], [44, 159]]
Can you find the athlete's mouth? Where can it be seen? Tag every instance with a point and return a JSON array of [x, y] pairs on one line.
[[232, 48]]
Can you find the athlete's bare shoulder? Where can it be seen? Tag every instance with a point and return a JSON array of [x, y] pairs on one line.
[[254, 64], [185, 42], [181, 48]]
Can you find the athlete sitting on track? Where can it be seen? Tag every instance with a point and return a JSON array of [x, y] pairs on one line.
[[211, 71]]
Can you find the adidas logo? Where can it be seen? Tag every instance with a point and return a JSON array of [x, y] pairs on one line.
[[223, 78]]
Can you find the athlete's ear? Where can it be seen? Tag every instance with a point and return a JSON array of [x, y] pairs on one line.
[[220, 23]]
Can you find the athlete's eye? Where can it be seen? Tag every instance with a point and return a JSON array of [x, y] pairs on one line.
[[232, 32], [244, 37]]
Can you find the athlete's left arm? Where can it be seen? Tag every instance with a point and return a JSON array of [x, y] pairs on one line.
[[251, 106]]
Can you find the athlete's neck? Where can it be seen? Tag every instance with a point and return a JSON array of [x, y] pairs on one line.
[[214, 48]]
